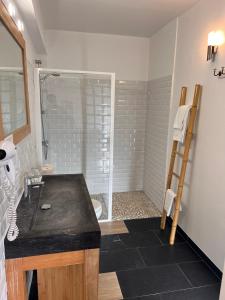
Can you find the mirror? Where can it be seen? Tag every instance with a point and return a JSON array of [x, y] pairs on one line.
[[13, 94]]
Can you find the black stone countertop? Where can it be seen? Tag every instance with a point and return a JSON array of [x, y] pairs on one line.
[[69, 225]]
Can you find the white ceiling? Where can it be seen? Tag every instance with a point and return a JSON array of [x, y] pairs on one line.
[[123, 17]]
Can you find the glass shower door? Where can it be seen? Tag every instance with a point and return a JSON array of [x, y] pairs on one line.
[[77, 127]]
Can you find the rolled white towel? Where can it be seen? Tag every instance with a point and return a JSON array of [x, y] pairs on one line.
[[180, 123], [169, 199]]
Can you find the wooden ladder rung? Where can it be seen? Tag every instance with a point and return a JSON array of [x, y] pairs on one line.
[[176, 175], [179, 154], [182, 155]]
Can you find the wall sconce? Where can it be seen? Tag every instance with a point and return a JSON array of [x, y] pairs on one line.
[[215, 39]]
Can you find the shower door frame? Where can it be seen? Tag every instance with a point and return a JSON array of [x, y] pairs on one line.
[[38, 127]]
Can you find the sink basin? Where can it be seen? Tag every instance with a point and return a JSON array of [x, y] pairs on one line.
[[66, 200], [70, 224]]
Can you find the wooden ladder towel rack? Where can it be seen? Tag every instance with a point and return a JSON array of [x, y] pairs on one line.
[[185, 158]]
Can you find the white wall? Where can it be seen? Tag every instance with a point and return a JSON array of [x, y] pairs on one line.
[[127, 56], [203, 202], [162, 50], [204, 206]]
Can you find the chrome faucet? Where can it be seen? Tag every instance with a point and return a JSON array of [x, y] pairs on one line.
[[34, 180]]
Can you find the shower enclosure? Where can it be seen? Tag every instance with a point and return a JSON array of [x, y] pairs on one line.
[[76, 128]]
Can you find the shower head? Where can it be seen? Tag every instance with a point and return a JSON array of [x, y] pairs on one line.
[[48, 75]]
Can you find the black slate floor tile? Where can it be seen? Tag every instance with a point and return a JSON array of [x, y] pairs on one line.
[[168, 254], [152, 280], [140, 239], [112, 241], [164, 236], [114, 260], [140, 225], [198, 273], [204, 293]]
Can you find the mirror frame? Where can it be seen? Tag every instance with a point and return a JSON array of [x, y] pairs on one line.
[[20, 133]]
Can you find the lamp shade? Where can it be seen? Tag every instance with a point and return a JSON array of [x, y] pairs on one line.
[[216, 38]]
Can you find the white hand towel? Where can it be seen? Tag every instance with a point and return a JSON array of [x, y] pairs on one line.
[[170, 196], [181, 122]]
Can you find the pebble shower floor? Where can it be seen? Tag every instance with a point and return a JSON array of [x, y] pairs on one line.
[[133, 205], [129, 205]]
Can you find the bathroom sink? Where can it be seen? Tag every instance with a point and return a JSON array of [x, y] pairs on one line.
[[69, 224], [67, 200]]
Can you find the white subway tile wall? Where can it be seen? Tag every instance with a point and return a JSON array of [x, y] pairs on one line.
[[129, 135], [159, 93], [78, 135], [26, 159]]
